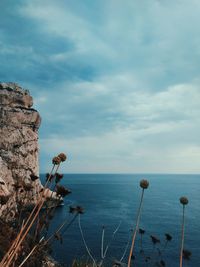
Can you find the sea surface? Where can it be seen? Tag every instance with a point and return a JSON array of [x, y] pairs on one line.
[[110, 200]]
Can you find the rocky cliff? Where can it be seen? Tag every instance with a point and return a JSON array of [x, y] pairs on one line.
[[19, 124]]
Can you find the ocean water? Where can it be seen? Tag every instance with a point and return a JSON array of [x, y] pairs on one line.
[[110, 200]]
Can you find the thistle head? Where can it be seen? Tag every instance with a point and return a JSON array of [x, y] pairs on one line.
[[58, 177], [154, 239], [80, 209], [144, 184], [76, 209], [184, 201], [187, 254], [62, 156], [62, 191], [56, 160], [141, 231], [168, 237]]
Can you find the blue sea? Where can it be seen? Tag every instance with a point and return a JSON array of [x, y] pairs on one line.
[[111, 200]]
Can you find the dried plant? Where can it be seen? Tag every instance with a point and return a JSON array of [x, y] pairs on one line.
[[26, 249], [144, 184], [12, 253], [184, 202]]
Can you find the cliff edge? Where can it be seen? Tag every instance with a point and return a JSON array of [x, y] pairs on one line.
[[19, 167]]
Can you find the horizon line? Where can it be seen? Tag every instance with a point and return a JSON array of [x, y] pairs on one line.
[[120, 173]]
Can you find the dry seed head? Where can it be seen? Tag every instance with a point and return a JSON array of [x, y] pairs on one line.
[[62, 191], [62, 156], [184, 200], [168, 237], [56, 160], [144, 184]]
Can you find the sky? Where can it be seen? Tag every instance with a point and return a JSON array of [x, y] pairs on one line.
[[117, 83]]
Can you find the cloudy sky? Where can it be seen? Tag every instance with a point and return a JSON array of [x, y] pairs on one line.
[[117, 83]]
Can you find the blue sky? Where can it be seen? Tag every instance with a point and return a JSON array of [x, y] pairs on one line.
[[117, 83]]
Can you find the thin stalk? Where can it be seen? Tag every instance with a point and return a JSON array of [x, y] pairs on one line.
[[108, 245], [7, 263], [50, 211], [102, 242], [113, 235], [42, 199], [85, 244], [31, 252], [47, 211], [136, 229], [17, 239], [61, 226], [51, 237], [126, 248], [182, 237], [25, 225]]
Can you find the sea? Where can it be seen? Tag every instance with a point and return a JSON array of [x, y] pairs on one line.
[[110, 203]]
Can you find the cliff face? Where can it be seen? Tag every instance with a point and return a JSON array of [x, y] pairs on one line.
[[19, 125]]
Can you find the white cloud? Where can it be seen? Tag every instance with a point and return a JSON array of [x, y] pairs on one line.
[[138, 108], [160, 135]]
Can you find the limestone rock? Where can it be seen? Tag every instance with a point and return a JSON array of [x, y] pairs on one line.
[[19, 124]]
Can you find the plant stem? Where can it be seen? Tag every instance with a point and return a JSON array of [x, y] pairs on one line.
[[136, 229], [17, 242], [182, 237], [31, 252], [85, 244], [113, 235], [126, 248], [61, 226], [102, 242]]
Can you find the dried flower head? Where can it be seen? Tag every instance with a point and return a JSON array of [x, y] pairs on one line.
[[184, 200], [187, 254], [144, 184], [72, 209], [56, 160], [62, 156], [168, 237], [76, 209], [58, 177], [141, 231], [80, 210], [62, 191], [49, 177], [162, 263], [154, 239]]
